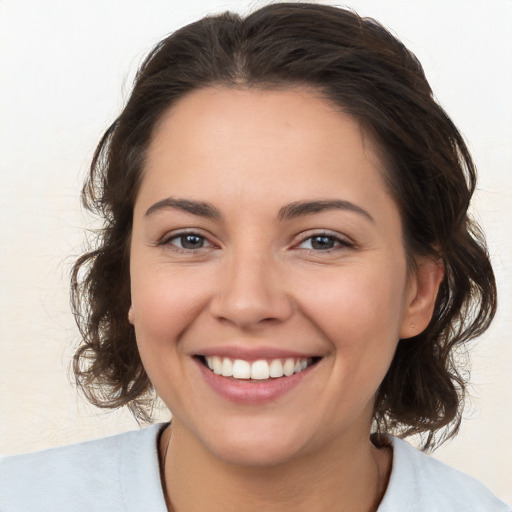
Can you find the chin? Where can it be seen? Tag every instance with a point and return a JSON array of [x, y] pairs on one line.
[[254, 445], [255, 454]]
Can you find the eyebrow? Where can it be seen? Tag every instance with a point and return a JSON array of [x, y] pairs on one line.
[[195, 207], [301, 208], [290, 211]]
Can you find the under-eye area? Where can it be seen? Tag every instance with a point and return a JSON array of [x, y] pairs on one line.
[[261, 369]]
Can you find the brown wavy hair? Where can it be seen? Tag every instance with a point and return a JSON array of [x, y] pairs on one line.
[[357, 64]]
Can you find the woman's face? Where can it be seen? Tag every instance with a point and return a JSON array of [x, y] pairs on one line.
[[264, 241]]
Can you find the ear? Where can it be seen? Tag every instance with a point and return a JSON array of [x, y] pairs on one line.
[[131, 315], [424, 282]]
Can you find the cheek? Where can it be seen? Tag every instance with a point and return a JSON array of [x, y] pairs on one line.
[[357, 300], [165, 302], [360, 314]]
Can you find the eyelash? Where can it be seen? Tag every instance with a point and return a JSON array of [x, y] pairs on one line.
[[168, 241], [339, 243]]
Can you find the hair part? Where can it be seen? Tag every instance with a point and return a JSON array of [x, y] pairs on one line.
[[356, 64]]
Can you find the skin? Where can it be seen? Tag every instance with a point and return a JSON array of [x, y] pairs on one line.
[[255, 279]]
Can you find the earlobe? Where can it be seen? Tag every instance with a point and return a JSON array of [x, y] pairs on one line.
[[131, 318], [424, 285]]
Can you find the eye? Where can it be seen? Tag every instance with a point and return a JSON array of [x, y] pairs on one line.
[[323, 242], [188, 241]]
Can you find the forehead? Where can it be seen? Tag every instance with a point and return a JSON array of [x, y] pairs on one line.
[[293, 143]]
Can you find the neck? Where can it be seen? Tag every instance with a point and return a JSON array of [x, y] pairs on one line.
[[349, 477]]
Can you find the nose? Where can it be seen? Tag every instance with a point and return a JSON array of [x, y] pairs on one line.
[[251, 293]]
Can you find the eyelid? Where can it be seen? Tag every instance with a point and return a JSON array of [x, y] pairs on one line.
[[168, 237], [343, 241]]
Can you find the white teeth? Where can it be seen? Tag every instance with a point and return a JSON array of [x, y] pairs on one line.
[[241, 369], [227, 368], [276, 369], [258, 370], [289, 367], [216, 364]]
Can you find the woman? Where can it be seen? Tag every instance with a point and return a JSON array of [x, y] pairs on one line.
[[288, 262]]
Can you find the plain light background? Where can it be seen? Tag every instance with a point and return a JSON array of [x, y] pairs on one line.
[[65, 71]]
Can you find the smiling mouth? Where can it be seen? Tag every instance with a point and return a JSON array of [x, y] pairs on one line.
[[259, 370]]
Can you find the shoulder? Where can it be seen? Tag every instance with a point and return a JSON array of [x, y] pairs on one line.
[[94, 475], [420, 483]]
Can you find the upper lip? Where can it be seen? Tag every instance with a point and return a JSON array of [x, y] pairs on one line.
[[254, 353]]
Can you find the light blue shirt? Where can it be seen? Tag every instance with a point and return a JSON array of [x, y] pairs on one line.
[[121, 474]]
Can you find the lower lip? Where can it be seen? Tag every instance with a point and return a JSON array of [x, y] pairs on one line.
[[250, 391]]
